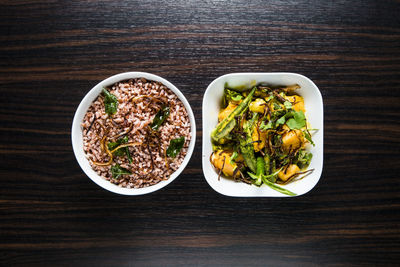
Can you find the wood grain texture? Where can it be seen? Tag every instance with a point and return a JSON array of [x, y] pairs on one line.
[[53, 52]]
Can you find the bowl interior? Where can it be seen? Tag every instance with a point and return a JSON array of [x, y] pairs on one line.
[[77, 138], [314, 113]]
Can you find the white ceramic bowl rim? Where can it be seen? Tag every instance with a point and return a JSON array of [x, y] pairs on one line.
[[77, 140]]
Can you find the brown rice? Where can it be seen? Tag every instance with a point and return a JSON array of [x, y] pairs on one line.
[[133, 117]]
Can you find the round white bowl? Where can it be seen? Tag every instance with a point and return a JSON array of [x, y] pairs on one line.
[[77, 138]]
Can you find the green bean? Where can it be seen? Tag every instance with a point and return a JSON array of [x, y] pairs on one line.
[[259, 173], [277, 188], [226, 125], [267, 159], [272, 185], [246, 144], [247, 150], [260, 170]]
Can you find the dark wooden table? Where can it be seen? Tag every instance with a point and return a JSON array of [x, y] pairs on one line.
[[53, 52]]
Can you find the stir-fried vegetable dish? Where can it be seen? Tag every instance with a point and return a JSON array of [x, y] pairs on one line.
[[262, 135]]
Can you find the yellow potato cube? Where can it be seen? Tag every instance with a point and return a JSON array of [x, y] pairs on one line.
[[272, 106], [228, 110], [218, 158], [292, 140], [257, 105], [287, 173], [259, 136], [297, 102]]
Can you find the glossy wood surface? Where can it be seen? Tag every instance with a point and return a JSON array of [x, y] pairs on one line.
[[53, 52]]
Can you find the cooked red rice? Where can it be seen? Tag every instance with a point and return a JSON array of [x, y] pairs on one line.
[[139, 114]]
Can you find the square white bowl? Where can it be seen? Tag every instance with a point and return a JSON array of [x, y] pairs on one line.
[[77, 136], [314, 113]]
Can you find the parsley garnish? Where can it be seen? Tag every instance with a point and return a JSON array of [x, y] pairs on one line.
[[160, 117], [298, 121], [117, 171], [110, 102], [175, 146], [121, 151], [287, 105]]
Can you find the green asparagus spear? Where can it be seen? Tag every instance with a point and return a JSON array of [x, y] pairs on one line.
[[246, 144], [260, 178], [260, 170], [264, 178], [226, 126], [267, 159], [275, 187]]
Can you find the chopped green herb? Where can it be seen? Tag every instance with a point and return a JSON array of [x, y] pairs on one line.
[[120, 152], [308, 137], [236, 97], [160, 117], [230, 95], [298, 121], [264, 126], [281, 120], [304, 158], [128, 155], [117, 171], [276, 106], [269, 97], [113, 145], [287, 104], [110, 102], [293, 119], [175, 146], [233, 157]]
